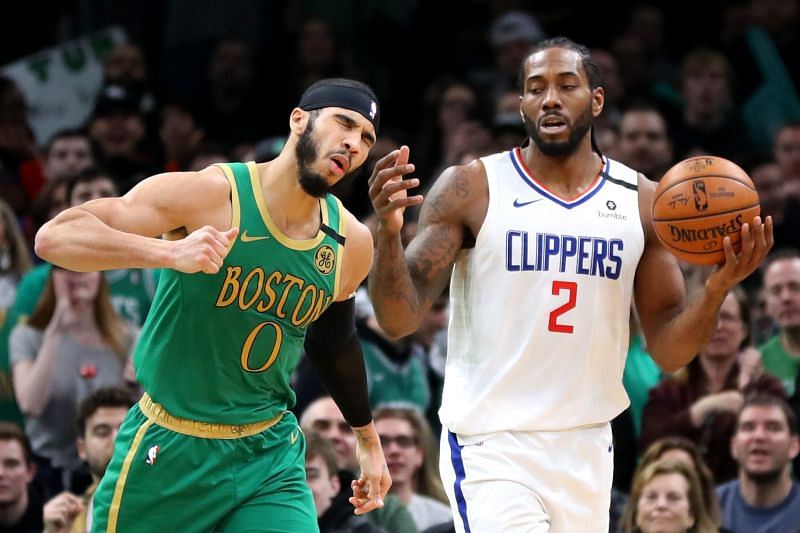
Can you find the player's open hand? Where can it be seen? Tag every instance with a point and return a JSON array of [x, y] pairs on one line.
[[757, 240], [373, 484], [388, 191], [202, 250]]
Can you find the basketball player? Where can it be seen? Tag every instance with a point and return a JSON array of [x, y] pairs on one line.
[[546, 245], [254, 255]]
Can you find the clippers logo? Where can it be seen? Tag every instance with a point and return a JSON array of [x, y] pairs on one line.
[[700, 196], [373, 109]]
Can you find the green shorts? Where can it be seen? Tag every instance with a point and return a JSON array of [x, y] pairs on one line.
[[174, 475]]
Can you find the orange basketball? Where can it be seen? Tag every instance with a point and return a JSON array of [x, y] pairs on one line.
[[700, 201]]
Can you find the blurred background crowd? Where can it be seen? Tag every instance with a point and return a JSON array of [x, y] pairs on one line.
[[95, 96]]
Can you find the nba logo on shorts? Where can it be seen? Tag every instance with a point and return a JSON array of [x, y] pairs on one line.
[[152, 455], [700, 198]]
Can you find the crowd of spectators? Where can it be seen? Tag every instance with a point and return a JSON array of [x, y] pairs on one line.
[[710, 446]]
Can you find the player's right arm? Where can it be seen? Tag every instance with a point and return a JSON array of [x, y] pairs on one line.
[[124, 232], [403, 285]]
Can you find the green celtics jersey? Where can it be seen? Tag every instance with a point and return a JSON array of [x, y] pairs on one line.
[[221, 348]]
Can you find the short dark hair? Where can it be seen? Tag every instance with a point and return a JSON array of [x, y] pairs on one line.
[[766, 399], [104, 397], [67, 133], [87, 176], [11, 431], [780, 254], [592, 69], [319, 446]]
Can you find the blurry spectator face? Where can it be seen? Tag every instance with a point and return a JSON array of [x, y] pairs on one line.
[[769, 182], [13, 107], [782, 291], [67, 157], [324, 417], [324, 485], [126, 65], [15, 473], [201, 161], [706, 92], [455, 107], [664, 505], [678, 455], [508, 104], [787, 151], [117, 132], [101, 187], [231, 65], [607, 141], [315, 44], [612, 83], [403, 455], [79, 287], [643, 142], [647, 25], [633, 66], [774, 15], [762, 444], [58, 200], [511, 54], [97, 443], [433, 322], [730, 332]]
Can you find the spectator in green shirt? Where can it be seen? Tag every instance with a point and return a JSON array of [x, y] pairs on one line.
[[781, 353]]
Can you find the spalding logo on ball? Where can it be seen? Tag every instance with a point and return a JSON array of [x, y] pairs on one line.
[[698, 203]]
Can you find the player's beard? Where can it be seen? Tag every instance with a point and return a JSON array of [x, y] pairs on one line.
[[306, 152], [561, 148]]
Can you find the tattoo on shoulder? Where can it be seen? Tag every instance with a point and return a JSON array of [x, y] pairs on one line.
[[461, 185]]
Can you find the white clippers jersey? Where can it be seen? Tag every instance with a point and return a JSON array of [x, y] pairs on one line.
[[540, 306]]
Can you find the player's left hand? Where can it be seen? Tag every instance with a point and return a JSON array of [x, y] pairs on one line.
[[757, 241], [373, 484]]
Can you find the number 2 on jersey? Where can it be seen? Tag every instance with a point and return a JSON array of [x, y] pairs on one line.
[[558, 287]]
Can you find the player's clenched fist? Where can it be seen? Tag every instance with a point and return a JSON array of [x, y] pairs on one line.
[[202, 250]]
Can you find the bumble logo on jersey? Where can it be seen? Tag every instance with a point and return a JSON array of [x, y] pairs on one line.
[[588, 256]]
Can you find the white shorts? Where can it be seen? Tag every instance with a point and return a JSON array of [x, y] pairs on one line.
[[514, 482]]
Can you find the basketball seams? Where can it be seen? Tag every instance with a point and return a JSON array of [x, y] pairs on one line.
[[701, 252], [718, 213], [684, 180]]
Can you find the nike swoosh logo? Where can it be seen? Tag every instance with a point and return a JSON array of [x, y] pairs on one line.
[[294, 436], [517, 203], [249, 238]]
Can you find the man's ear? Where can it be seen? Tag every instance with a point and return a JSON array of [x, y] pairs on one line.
[[598, 100], [298, 121]]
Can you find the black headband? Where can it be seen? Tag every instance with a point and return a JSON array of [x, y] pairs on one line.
[[353, 98]]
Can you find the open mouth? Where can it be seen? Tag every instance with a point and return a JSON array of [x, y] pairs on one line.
[[341, 163], [553, 124]]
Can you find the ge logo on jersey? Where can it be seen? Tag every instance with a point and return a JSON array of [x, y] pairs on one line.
[[324, 259]]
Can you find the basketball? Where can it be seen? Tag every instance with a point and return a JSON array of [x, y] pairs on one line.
[[698, 202]]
